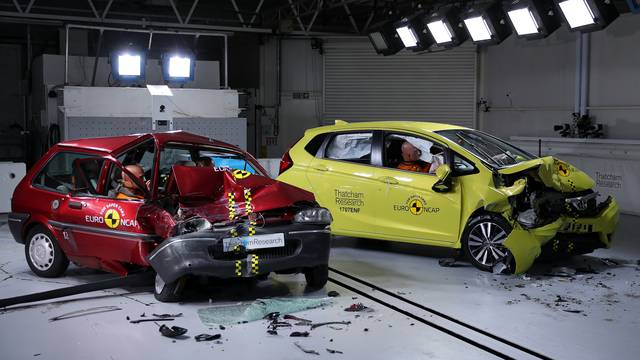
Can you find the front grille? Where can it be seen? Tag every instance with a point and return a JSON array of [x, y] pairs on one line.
[[588, 208], [290, 248]]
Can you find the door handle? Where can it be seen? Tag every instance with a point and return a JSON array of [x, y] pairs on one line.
[[388, 180], [75, 205], [319, 167]]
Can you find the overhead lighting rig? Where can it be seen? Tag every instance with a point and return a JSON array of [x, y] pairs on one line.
[[178, 67], [445, 27], [486, 24], [414, 33], [385, 40], [587, 15], [128, 65], [532, 19]]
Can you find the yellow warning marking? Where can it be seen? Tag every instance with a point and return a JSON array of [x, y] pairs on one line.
[[112, 218], [248, 208], [416, 207], [254, 264], [241, 174], [238, 267], [563, 170], [232, 206]]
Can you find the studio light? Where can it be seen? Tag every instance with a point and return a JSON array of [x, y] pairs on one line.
[[486, 24], [128, 65], [532, 19], [587, 15], [385, 40], [413, 33], [178, 67], [445, 28]]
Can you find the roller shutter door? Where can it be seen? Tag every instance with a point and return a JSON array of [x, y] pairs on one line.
[[360, 85]]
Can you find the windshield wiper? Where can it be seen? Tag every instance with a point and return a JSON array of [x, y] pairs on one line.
[[480, 151]]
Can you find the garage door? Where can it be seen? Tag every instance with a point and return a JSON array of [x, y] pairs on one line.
[[363, 86]]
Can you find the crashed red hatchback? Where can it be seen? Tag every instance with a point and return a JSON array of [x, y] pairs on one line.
[[224, 218]]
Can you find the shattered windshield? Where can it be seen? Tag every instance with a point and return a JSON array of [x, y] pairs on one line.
[[488, 148]]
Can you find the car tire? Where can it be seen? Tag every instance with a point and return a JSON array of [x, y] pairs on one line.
[[43, 254], [168, 292], [317, 276], [483, 238]]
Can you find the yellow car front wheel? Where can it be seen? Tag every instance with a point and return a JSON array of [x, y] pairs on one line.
[[483, 240]]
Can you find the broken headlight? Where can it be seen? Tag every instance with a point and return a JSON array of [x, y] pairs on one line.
[[313, 216]]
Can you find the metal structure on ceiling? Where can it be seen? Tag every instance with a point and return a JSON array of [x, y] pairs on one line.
[[286, 17]]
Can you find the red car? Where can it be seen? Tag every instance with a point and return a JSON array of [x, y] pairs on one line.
[[223, 218]]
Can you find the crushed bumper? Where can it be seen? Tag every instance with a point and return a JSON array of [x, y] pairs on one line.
[[202, 253], [568, 236]]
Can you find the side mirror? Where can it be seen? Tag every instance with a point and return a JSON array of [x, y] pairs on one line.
[[444, 183]]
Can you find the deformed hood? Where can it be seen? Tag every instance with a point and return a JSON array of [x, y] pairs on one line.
[[553, 173], [198, 183]]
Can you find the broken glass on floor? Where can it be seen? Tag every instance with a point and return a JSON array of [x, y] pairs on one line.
[[257, 309]]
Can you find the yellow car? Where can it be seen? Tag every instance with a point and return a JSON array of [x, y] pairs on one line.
[[463, 189]]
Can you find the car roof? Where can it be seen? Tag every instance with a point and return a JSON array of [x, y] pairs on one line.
[[392, 125], [114, 144]]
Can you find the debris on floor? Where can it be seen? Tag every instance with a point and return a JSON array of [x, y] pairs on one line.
[[315, 326], [447, 262], [333, 293], [357, 308], [331, 351], [308, 351], [207, 337], [562, 271], [499, 268], [299, 334], [172, 332], [258, 309], [293, 317], [167, 315], [85, 312], [137, 321]]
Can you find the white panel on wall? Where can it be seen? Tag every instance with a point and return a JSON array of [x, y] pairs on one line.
[[360, 85], [530, 85]]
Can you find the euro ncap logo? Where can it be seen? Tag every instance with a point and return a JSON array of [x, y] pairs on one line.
[[112, 218], [241, 174], [416, 207]]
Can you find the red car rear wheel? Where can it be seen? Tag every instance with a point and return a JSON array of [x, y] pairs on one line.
[[44, 255]]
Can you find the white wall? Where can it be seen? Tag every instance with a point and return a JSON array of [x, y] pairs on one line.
[[301, 72], [530, 84]]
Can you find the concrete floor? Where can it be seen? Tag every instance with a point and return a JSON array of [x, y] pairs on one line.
[[602, 321]]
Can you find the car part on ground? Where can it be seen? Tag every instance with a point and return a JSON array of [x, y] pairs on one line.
[[135, 279]]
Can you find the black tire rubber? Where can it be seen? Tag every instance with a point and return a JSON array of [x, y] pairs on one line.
[[317, 276], [170, 292], [60, 261], [485, 217]]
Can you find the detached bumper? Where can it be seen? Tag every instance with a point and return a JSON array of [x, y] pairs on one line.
[[202, 253], [565, 236]]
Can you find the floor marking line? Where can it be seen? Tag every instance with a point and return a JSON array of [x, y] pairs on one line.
[[442, 315]]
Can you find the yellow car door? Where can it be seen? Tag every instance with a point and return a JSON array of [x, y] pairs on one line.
[[412, 211], [343, 180]]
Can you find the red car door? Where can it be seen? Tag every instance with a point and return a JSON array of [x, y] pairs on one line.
[[101, 229]]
